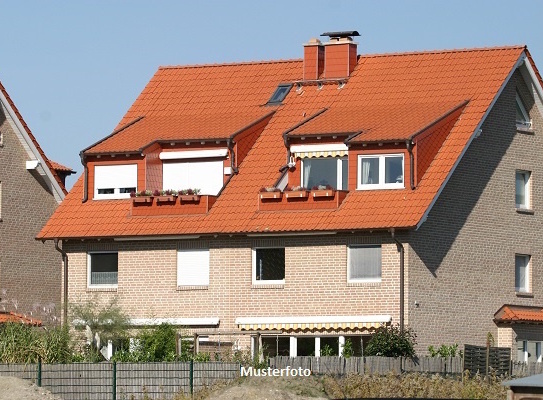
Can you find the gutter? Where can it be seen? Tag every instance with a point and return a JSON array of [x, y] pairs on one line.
[[65, 264], [402, 278]]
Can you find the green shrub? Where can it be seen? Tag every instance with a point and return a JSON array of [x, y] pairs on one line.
[[445, 351], [388, 341]]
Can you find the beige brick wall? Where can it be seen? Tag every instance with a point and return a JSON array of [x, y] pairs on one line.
[[29, 270], [462, 259]]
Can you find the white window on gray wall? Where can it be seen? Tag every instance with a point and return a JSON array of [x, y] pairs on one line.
[[364, 263], [529, 351], [115, 181], [103, 268], [522, 189], [193, 267], [522, 273]]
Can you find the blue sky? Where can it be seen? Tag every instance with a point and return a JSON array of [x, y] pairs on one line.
[[73, 68]]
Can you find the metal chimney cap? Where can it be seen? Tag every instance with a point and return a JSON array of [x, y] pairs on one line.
[[341, 34]]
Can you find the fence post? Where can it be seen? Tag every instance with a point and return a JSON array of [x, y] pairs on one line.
[[114, 381], [39, 372], [191, 376]]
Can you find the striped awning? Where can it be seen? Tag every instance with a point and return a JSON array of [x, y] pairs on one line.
[[315, 154], [319, 150], [313, 323]]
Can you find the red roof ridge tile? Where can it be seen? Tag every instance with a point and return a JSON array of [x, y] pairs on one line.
[[445, 51], [231, 64]]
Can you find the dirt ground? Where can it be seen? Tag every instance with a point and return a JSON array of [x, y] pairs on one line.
[[17, 389]]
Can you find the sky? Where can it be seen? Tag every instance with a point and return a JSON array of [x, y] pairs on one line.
[[73, 68]]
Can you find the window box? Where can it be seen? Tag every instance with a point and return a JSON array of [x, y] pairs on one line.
[[166, 199], [297, 194], [189, 198], [323, 193], [142, 200], [271, 195]]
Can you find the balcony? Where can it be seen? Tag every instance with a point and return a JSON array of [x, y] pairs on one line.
[[320, 199], [171, 205]]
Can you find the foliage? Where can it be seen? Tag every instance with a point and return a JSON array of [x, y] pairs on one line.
[[102, 322], [414, 385], [348, 350], [327, 350], [389, 341], [26, 344], [158, 344], [445, 351]]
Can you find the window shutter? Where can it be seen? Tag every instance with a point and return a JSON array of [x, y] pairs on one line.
[[365, 262], [115, 176], [193, 267]]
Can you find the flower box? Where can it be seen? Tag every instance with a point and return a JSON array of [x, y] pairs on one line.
[[142, 200], [189, 198], [323, 193], [166, 199], [297, 194], [270, 195]]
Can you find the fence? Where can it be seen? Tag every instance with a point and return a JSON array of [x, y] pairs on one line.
[[120, 381]]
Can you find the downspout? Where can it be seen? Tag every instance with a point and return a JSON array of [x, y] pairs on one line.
[[402, 254], [85, 178], [409, 145], [65, 263], [234, 169]]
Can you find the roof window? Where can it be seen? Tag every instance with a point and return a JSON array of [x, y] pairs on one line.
[[280, 94], [523, 119]]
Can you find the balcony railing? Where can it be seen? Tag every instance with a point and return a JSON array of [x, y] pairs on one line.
[[104, 278]]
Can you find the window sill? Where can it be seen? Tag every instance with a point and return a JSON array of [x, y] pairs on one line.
[[525, 211], [101, 289], [363, 283], [524, 294], [525, 130], [268, 286], [192, 287]]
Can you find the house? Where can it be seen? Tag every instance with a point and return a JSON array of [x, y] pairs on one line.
[[338, 193], [31, 187]]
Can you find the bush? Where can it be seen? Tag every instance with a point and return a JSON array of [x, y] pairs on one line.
[[445, 351], [388, 341]]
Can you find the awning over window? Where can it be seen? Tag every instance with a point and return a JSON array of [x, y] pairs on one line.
[[319, 150], [516, 314], [313, 323]]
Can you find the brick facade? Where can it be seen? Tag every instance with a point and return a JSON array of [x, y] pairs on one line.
[[29, 269]]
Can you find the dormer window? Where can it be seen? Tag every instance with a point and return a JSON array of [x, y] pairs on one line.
[[380, 171], [279, 95], [115, 181], [523, 119], [325, 164]]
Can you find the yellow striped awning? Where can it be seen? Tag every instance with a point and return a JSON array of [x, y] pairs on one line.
[[312, 323], [316, 154]]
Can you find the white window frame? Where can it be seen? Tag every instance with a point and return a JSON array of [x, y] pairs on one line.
[[253, 263], [526, 288], [89, 270], [381, 184], [527, 191], [203, 261], [339, 174], [115, 185], [527, 122], [362, 280]]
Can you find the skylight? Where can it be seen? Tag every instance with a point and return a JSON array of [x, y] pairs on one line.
[[280, 93]]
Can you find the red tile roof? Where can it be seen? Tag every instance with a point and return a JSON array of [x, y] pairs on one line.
[[59, 167], [33, 138], [519, 314], [405, 91], [14, 317]]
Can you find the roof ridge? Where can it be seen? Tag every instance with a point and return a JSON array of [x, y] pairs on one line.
[[230, 64], [444, 51]]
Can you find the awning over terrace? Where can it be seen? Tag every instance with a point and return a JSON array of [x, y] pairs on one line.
[[364, 322]]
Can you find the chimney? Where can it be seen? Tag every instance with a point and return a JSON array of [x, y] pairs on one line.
[[340, 54], [313, 59]]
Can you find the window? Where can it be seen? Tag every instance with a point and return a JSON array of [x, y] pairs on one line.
[[193, 267], [522, 189], [522, 273], [280, 93], [269, 265], [380, 171], [522, 118], [115, 181], [364, 263], [204, 175], [529, 351], [325, 171], [103, 269]]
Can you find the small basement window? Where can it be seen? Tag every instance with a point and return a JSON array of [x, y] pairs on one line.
[[280, 93], [269, 265]]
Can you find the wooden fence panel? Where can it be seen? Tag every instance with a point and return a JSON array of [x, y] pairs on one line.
[[157, 379], [207, 374], [433, 365], [23, 371], [475, 359], [382, 365], [520, 369], [79, 381]]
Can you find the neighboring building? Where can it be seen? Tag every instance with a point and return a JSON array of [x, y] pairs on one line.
[[432, 160], [31, 187]]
